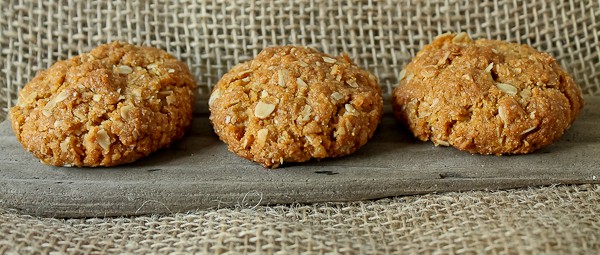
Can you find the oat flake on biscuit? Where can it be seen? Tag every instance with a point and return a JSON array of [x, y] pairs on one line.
[[293, 104], [486, 96]]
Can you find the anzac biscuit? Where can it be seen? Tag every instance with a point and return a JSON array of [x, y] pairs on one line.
[[292, 104], [486, 96], [110, 106]]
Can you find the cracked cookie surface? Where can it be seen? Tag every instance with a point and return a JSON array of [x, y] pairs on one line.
[[486, 96], [292, 104], [110, 106]]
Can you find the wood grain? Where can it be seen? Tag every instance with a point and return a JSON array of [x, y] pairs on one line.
[[198, 172]]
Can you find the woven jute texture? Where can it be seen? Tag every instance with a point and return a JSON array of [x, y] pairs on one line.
[[381, 36], [529, 221], [212, 36]]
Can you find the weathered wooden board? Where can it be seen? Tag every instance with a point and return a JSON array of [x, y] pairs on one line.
[[198, 172]]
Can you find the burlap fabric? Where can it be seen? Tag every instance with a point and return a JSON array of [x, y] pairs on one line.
[[382, 36], [212, 36], [550, 220]]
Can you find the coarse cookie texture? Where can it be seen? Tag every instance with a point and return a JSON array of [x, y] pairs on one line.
[[486, 96], [291, 104], [110, 106]]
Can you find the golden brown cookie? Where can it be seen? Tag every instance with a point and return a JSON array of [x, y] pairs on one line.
[[291, 104], [110, 106], [486, 96]]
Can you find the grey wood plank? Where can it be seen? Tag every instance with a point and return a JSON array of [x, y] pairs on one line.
[[198, 172]]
